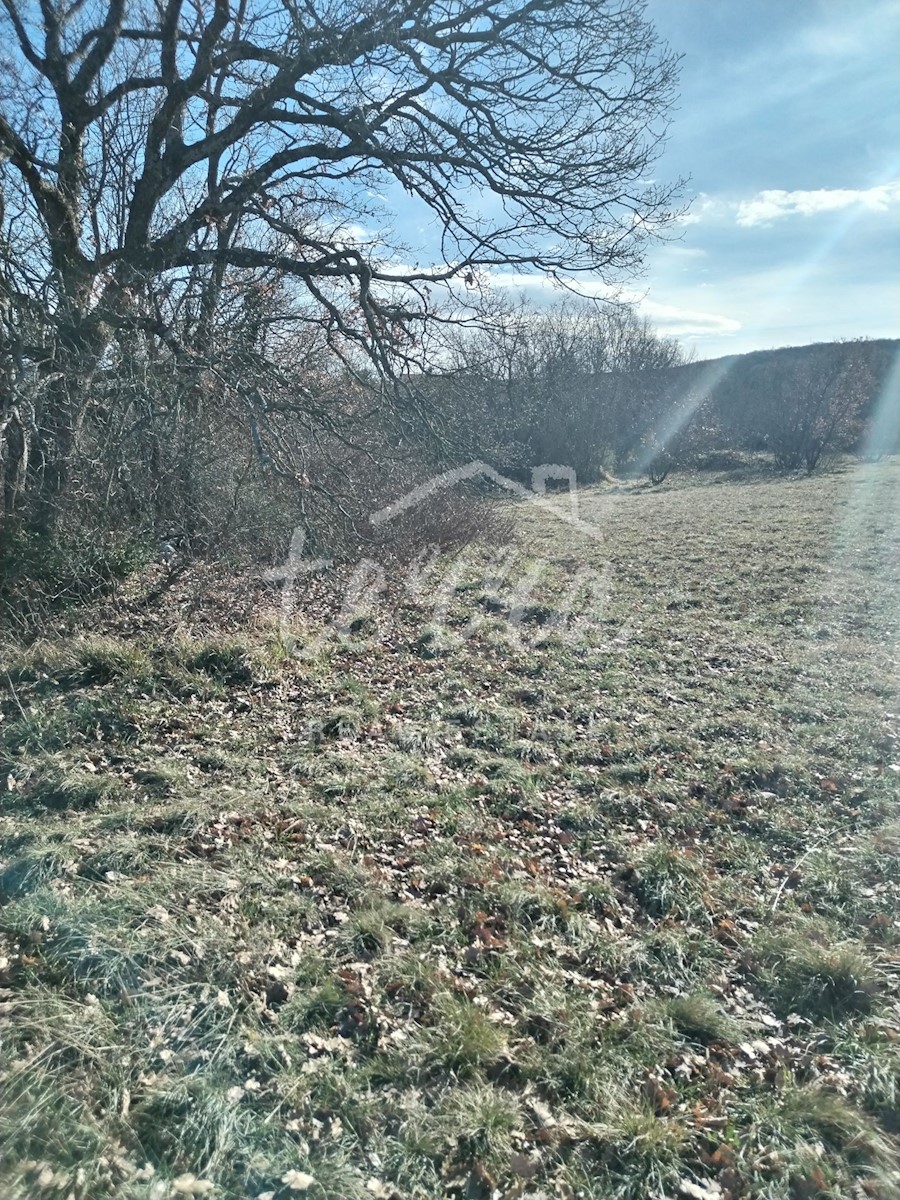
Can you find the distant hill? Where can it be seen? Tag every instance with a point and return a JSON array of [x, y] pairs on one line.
[[562, 402], [739, 393], [879, 353]]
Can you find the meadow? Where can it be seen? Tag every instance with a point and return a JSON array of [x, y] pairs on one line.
[[472, 902]]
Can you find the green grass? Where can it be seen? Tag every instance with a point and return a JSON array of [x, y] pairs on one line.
[[815, 972], [700, 1018], [486, 913], [669, 881]]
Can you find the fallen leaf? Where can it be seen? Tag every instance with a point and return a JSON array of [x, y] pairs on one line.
[[699, 1191], [190, 1185], [298, 1181]]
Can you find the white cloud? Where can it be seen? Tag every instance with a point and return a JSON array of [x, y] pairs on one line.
[[686, 322], [546, 289], [768, 206], [684, 252], [522, 281], [667, 319], [701, 205]]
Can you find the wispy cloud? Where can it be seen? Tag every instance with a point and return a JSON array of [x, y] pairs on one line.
[[547, 289], [702, 205], [668, 319], [684, 253], [686, 322], [773, 205]]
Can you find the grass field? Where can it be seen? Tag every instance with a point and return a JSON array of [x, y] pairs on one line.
[[474, 908]]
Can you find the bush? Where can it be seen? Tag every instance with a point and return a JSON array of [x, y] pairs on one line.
[[659, 467], [447, 521], [39, 574]]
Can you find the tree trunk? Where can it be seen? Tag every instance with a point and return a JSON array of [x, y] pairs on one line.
[[13, 459]]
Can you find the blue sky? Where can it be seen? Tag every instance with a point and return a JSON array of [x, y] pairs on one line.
[[788, 130]]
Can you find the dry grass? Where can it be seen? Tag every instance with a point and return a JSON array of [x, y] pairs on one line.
[[490, 913]]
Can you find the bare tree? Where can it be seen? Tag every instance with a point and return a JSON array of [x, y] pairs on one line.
[[806, 407], [163, 159], [577, 383]]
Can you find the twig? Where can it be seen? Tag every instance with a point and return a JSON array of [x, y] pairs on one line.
[[784, 881], [15, 696]]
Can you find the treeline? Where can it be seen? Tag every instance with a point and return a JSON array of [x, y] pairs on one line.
[[229, 457], [601, 392], [575, 385], [804, 405]]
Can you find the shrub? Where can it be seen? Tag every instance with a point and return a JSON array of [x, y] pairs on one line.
[[659, 467], [40, 574]]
